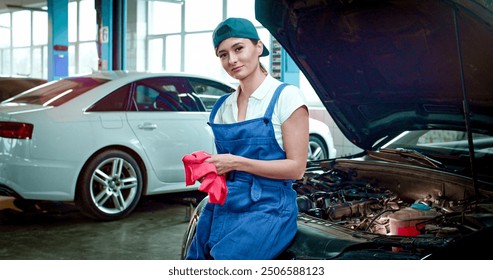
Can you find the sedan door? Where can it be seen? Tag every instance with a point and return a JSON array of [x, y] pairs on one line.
[[169, 123]]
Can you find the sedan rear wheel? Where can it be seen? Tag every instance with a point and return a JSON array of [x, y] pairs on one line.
[[110, 186]]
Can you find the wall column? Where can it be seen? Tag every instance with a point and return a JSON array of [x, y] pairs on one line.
[[57, 39]]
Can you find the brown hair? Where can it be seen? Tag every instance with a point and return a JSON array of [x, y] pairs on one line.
[[264, 70]]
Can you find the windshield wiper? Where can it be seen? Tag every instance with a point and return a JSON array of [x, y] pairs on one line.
[[415, 155]]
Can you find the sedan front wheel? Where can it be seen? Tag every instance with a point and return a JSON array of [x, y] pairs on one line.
[[110, 186], [317, 149]]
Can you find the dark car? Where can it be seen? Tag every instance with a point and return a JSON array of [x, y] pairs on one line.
[[409, 82], [10, 86]]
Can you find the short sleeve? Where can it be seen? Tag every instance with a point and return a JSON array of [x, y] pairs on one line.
[[290, 99]]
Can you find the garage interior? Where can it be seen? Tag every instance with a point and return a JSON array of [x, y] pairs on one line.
[[114, 41], [56, 231]]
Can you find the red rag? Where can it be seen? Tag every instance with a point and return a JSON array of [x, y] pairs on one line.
[[212, 183]]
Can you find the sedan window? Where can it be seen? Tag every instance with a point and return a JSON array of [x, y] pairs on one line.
[[58, 92], [209, 91], [173, 94], [114, 102]]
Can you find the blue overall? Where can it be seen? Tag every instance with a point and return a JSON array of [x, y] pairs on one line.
[[258, 219]]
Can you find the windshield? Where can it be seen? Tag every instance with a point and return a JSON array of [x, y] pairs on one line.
[[446, 149], [445, 142], [57, 92]]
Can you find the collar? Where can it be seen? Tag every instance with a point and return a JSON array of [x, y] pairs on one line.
[[260, 93]]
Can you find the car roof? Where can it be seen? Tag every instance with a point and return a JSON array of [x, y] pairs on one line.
[[88, 87], [135, 75]]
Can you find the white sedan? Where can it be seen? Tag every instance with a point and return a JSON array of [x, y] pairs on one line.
[[106, 139], [321, 144]]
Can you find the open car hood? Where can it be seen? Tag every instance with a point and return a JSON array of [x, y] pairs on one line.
[[381, 67]]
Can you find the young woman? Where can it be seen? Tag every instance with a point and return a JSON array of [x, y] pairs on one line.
[[261, 134]]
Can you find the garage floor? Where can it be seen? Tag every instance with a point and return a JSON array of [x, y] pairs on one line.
[[56, 231]]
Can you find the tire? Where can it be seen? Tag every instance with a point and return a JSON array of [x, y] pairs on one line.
[[110, 186], [192, 228], [317, 150]]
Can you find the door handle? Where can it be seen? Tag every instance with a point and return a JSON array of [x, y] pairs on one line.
[[147, 126]]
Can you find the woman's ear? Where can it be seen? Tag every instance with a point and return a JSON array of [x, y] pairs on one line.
[[260, 47]]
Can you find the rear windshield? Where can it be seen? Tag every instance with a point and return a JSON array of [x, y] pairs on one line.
[[58, 92]]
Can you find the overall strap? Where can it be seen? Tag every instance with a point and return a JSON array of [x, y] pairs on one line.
[[218, 104], [275, 97]]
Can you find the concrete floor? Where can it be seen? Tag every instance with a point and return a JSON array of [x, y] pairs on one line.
[[58, 231]]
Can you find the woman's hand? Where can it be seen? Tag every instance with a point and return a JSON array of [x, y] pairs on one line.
[[295, 139], [224, 162]]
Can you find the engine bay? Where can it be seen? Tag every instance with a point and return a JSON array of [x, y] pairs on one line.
[[388, 200]]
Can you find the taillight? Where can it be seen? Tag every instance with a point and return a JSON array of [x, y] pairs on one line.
[[16, 130]]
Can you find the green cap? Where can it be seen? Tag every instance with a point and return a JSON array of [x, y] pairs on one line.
[[236, 28]]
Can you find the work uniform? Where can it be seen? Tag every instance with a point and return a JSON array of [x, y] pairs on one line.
[[258, 219]]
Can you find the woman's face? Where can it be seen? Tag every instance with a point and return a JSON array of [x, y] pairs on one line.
[[239, 56]]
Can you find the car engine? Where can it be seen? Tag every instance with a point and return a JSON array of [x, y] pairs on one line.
[[383, 201]]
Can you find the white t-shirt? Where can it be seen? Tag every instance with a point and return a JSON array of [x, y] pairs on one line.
[[289, 100]]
